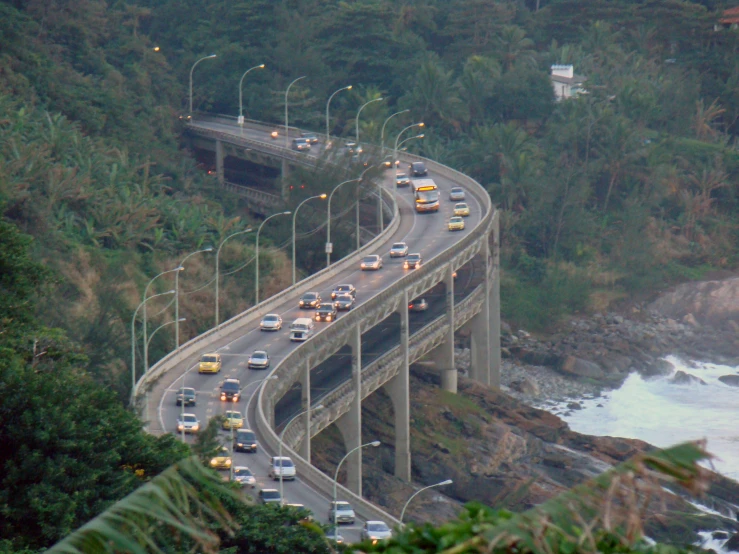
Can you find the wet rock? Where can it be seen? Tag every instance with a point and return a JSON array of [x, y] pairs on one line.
[[732, 545], [526, 386], [657, 368], [720, 535], [615, 363], [583, 368], [689, 319], [683, 378], [731, 380], [574, 406]]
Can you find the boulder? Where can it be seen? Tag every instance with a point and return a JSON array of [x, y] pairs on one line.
[[657, 368], [710, 302], [683, 378], [732, 545], [731, 380], [526, 386], [572, 365], [615, 363], [689, 319]]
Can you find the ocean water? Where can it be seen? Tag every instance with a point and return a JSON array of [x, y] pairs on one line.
[[664, 414]]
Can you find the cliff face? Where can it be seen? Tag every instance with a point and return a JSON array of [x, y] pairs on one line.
[[497, 450]]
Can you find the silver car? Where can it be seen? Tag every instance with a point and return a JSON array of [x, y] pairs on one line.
[[258, 360], [340, 512], [399, 250], [188, 423], [418, 305], [375, 531], [244, 477], [270, 322], [371, 262], [456, 194]]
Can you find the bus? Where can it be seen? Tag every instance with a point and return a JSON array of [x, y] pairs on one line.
[[426, 194]]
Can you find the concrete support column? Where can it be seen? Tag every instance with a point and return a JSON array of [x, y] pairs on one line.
[[446, 358], [495, 308], [350, 424], [480, 339], [398, 388], [219, 162], [305, 401], [284, 174]]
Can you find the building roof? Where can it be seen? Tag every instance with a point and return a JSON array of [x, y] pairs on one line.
[[730, 16], [574, 80]]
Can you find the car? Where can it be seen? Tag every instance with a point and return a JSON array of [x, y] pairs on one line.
[[456, 194], [456, 223], [231, 390], [245, 441], [310, 300], [258, 360], [418, 305], [375, 531], [333, 534], [244, 477], [270, 496], [301, 329], [304, 514], [461, 209], [340, 512], [301, 144], [221, 459], [281, 466], [310, 138], [402, 179], [417, 169], [186, 396], [232, 420], [399, 250], [210, 363], [372, 261], [343, 289], [413, 261], [326, 312], [344, 303], [351, 147], [188, 423], [270, 322]]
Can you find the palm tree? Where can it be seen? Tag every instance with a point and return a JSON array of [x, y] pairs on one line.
[[515, 47]]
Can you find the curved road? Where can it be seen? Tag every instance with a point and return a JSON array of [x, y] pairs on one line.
[[425, 233]]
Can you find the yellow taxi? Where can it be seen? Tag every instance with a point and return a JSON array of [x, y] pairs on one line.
[[456, 223], [461, 209], [233, 420], [210, 363], [221, 459]]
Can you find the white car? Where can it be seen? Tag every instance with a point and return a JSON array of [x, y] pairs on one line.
[[282, 466], [270, 322], [188, 423], [340, 512], [399, 250], [244, 477], [375, 531], [456, 194], [371, 262], [258, 360]]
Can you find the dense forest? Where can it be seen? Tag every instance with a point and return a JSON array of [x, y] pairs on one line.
[[616, 193]]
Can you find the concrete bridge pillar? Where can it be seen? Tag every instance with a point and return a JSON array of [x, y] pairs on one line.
[[305, 400], [494, 311], [446, 357], [350, 424], [284, 173], [398, 388], [479, 325], [219, 162]]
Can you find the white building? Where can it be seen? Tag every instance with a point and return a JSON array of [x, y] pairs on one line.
[[566, 83]]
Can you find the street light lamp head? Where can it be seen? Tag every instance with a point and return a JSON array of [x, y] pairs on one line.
[[421, 135], [169, 292], [319, 407], [156, 49], [248, 230], [286, 213], [322, 196], [375, 443], [212, 56], [179, 268], [422, 124], [261, 66], [182, 319], [447, 482], [349, 87], [209, 249]]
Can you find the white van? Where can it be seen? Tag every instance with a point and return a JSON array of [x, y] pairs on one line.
[[301, 329]]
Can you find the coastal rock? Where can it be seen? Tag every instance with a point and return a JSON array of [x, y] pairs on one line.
[[710, 302], [731, 380], [657, 368], [732, 545], [683, 378], [583, 368], [689, 319], [526, 386]]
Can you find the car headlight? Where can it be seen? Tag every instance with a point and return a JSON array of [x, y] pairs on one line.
[[179, 427], [228, 461], [328, 318], [214, 462], [196, 427], [223, 395]]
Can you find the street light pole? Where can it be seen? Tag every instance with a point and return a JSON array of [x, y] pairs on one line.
[[146, 358], [256, 278], [146, 293], [382, 134], [191, 70], [295, 215], [240, 120], [356, 120], [338, 467], [133, 341], [395, 150], [177, 295], [327, 105], [328, 221], [218, 256], [287, 90], [359, 242], [447, 482], [307, 435]]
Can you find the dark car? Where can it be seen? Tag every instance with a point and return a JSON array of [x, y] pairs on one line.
[[413, 261], [311, 138], [301, 144], [231, 390], [344, 302], [245, 441], [186, 395], [326, 312], [310, 300], [417, 169], [344, 289]]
